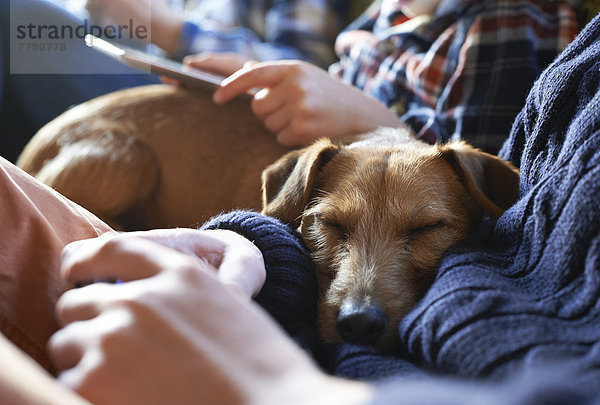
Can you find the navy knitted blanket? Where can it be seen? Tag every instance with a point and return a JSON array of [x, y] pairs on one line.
[[519, 295]]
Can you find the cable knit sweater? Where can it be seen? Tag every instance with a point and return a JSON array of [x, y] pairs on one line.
[[513, 316]]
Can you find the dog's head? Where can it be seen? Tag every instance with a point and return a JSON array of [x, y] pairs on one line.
[[377, 216]]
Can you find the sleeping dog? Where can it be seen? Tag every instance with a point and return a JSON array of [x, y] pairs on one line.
[[378, 215]]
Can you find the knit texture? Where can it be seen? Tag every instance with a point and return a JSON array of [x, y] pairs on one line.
[[525, 290], [515, 308]]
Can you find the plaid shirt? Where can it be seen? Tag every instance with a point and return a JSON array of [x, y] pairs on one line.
[[265, 30], [464, 72]]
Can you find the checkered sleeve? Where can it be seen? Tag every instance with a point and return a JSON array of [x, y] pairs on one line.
[[466, 73], [298, 29]]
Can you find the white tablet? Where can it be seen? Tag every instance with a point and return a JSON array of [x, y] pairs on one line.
[[155, 64]]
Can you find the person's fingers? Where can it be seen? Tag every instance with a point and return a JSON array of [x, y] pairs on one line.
[[81, 304], [224, 63], [267, 101], [202, 245], [290, 139], [250, 64], [256, 76], [66, 346], [137, 255], [239, 261], [78, 350], [211, 246], [112, 257], [207, 61], [172, 82], [342, 43], [243, 268], [278, 121], [201, 60]]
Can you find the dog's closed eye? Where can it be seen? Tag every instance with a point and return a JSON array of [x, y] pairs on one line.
[[425, 229], [339, 229]]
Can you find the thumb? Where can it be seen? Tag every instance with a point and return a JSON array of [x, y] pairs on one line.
[[243, 268]]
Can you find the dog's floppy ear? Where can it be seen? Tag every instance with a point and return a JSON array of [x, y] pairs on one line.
[[287, 183], [492, 181]]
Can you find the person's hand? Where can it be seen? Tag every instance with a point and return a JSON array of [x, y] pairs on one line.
[[238, 261], [222, 63], [350, 42], [300, 102], [171, 332], [162, 23]]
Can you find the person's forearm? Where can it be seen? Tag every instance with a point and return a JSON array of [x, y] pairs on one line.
[[24, 382], [166, 31]]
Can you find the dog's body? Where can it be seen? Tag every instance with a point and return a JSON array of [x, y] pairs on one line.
[[154, 156], [378, 215]]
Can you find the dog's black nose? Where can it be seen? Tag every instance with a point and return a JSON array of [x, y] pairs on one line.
[[362, 324]]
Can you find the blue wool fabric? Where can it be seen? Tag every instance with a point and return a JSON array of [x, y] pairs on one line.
[[290, 291], [513, 316], [525, 290]]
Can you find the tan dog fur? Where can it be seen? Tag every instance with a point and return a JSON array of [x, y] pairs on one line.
[[154, 156], [378, 215]]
